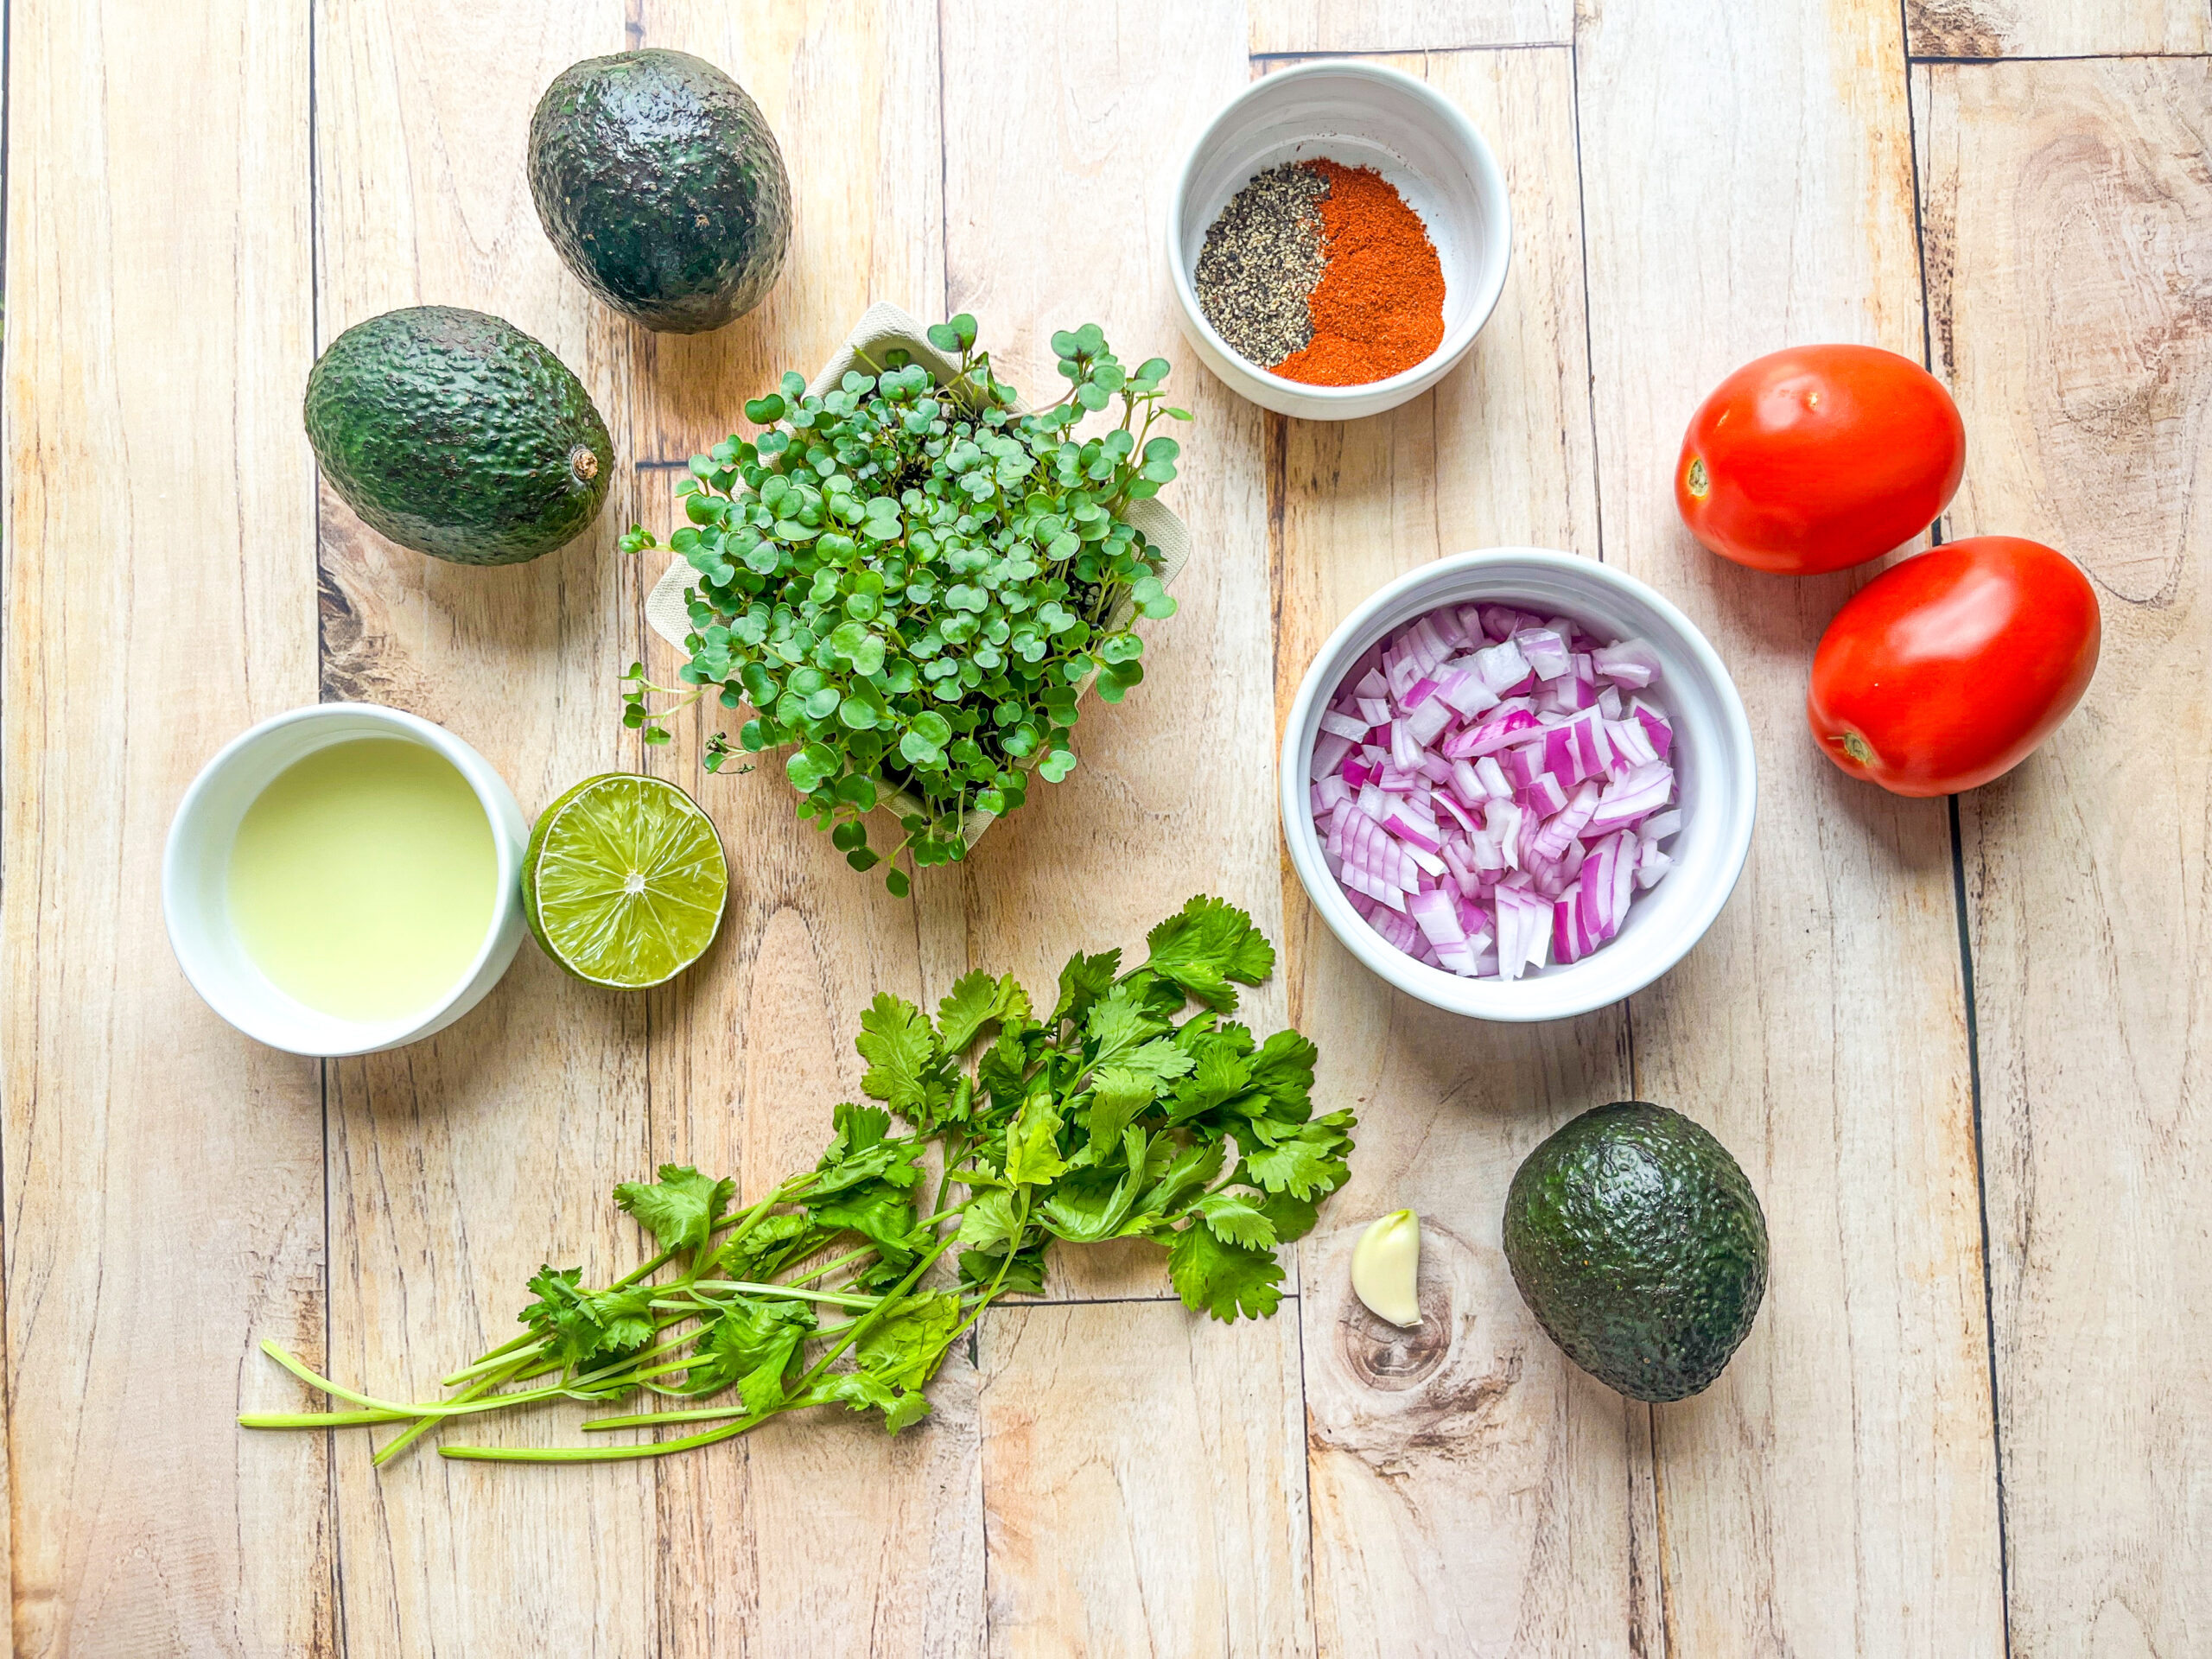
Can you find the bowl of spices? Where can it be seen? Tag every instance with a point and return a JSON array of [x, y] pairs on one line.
[[1338, 238]]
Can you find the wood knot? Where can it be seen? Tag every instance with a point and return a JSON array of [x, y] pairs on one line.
[[1383, 1355]]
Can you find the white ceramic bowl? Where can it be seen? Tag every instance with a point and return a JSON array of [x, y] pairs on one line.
[[195, 875], [1716, 775], [1362, 115]]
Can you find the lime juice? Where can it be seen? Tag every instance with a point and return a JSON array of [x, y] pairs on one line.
[[363, 878]]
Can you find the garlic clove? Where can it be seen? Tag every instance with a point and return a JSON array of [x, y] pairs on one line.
[[1386, 1268]]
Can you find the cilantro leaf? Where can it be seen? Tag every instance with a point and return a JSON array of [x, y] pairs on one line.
[[681, 1209], [579, 1324], [1083, 982], [1219, 1071], [1283, 1071], [1025, 1275], [1235, 1218], [1119, 1025], [1291, 1218], [1192, 1169], [989, 1223], [875, 1210], [903, 1056], [1033, 1147], [1225, 1280], [906, 1344], [752, 1345], [1088, 1205], [1305, 1162], [1118, 1094], [977, 1000], [1204, 946]]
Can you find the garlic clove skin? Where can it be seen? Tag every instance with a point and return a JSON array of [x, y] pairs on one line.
[[1386, 1269]]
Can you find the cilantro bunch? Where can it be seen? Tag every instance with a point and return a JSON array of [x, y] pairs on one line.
[[1122, 1111], [910, 583]]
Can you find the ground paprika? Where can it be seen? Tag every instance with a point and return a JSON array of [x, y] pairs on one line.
[[1378, 309]]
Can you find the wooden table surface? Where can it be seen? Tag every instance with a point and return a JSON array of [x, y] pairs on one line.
[[1961, 1047]]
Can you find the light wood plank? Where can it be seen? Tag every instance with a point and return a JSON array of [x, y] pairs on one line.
[[1325, 26], [1061, 128], [1749, 167], [163, 1200], [458, 1166], [2070, 287], [2015, 29], [1141, 1467], [1173, 794], [1470, 1452], [822, 1535]]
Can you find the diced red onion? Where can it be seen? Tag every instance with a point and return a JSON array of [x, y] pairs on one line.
[[1519, 805]]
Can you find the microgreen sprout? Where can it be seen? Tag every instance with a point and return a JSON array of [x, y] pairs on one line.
[[909, 583]]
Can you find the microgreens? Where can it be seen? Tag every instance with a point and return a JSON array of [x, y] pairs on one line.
[[1111, 1116], [910, 582]]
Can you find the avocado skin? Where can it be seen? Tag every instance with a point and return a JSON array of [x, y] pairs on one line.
[[657, 177], [456, 434], [1638, 1243]]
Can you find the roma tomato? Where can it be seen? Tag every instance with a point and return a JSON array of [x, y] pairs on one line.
[[1820, 457], [1947, 670]]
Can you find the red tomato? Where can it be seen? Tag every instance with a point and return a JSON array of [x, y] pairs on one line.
[[1820, 457], [1945, 670]]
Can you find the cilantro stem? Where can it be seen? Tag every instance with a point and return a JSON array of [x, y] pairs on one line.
[[661, 1448], [835, 1299]]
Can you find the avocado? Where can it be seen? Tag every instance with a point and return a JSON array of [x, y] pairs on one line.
[[457, 435], [1639, 1245], [657, 179]]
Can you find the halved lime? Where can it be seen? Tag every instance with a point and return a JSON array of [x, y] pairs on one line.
[[624, 880]]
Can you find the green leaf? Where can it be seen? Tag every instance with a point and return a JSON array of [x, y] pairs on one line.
[[989, 1223], [875, 1210], [1235, 1218], [1032, 1143], [977, 1000], [1119, 1024], [810, 767], [1207, 944], [1291, 1218], [1224, 1279], [906, 1344], [1118, 1094], [1083, 982], [681, 1209], [579, 1325], [902, 1053], [1304, 1164], [1190, 1170], [752, 1345]]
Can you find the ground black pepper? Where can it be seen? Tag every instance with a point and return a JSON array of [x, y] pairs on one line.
[[1262, 259]]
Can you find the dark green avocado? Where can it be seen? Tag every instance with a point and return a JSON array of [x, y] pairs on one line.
[[657, 179], [457, 435], [1639, 1245]]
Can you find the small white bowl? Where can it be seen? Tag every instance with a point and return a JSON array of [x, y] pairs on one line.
[[195, 878], [1715, 772], [1362, 115]]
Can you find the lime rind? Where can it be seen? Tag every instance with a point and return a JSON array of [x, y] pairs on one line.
[[625, 881]]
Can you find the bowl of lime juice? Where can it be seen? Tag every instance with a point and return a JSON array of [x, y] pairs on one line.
[[344, 877]]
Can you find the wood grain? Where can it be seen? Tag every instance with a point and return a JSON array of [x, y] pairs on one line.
[[162, 1203], [2001, 28], [1819, 1029], [459, 1164], [1141, 1482], [2070, 291], [1470, 1451], [1164, 802], [1130, 1433], [752, 1048], [1370, 26]]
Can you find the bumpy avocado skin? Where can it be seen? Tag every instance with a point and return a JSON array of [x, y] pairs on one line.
[[456, 434], [657, 177], [1640, 1247]]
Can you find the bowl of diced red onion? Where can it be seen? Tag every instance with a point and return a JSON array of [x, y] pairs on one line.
[[1518, 785]]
